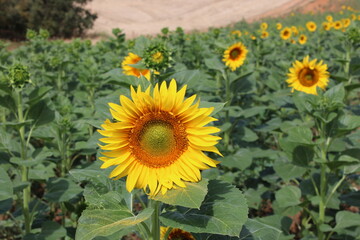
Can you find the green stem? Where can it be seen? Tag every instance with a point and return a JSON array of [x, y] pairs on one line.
[[24, 169], [155, 222], [167, 233], [228, 103]]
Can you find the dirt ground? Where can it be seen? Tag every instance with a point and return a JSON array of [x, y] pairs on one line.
[[148, 17]]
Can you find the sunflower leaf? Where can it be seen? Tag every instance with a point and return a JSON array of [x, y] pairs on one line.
[[109, 219], [191, 196], [224, 211]]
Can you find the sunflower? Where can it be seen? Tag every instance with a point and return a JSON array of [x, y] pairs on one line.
[[346, 22], [176, 234], [235, 55], [264, 34], [353, 17], [132, 71], [236, 32], [278, 26], [285, 34], [326, 26], [329, 18], [157, 140], [337, 25], [302, 39], [307, 75], [294, 30], [311, 26], [264, 26]]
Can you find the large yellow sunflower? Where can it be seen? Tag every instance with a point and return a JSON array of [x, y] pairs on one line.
[[264, 34], [235, 55], [285, 34], [176, 234], [157, 139], [132, 58], [337, 25], [305, 76], [311, 26]]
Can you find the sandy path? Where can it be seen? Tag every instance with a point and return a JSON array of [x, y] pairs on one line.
[[148, 17]]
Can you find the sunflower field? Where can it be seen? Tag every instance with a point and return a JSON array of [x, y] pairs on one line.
[[247, 132]]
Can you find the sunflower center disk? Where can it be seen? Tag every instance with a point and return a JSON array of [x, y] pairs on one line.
[[308, 77], [234, 54], [157, 138]]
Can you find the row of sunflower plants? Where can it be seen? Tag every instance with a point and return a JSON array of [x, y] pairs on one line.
[[234, 133]]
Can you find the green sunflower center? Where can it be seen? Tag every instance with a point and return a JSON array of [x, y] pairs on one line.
[[308, 77], [235, 53], [157, 138]]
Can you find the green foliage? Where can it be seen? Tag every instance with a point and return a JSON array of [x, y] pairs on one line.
[[61, 18]]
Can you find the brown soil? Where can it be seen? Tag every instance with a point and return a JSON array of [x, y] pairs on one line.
[[148, 17]]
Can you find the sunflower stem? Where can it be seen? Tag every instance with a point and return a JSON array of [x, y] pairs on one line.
[[228, 102], [24, 169], [155, 222]]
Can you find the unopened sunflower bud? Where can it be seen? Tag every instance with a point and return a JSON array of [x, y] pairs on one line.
[[19, 75], [157, 57], [30, 34], [44, 34]]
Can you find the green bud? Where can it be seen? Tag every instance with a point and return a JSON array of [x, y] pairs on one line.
[[44, 34], [157, 57], [30, 34], [19, 75], [116, 31], [165, 31]]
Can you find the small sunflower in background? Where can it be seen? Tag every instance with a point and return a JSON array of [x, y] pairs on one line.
[[157, 139], [132, 58], [346, 22], [311, 26], [176, 234], [157, 57], [329, 18], [236, 33], [337, 25], [235, 56], [285, 34], [278, 26], [294, 30], [326, 26], [302, 39], [264, 34], [307, 75], [264, 26]]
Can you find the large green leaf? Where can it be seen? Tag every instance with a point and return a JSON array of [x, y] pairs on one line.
[[41, 113], [6, 188], [260, 231], [113, 216], [192, 196], [224, 211], [61, 190], [288, 196], [51, 231], [345, 219], [300, 135]]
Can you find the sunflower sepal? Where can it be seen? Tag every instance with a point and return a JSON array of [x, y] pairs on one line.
[[190, 196]]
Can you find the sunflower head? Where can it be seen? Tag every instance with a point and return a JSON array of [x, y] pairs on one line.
[[264, 34], [307, 75], [337, 25], [157, 57], [294, 30], [329, 18], [326, 26], [235, 55], [346, 22], [285, 34], [236, 33], [311, 26], [264, 26], [158, 138], [130, 59], [302, 39], [176, 234], [278, 26]]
